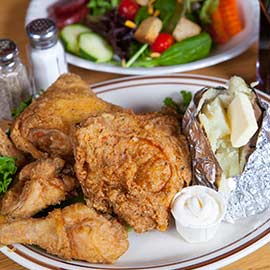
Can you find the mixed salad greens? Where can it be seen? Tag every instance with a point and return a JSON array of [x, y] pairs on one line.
[[145, 33]]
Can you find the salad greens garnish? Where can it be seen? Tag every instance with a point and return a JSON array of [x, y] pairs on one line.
[[24, 104], [100, 7], [7, 171], [17, 111], [187, 96], [179, 107], [141, 15], [178, 31], [136, 55], [112, 27], [182, 52], [174, 18], [167, 9], [129, 228], [209, 6]]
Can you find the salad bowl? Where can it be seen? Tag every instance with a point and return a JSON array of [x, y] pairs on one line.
[[249, 10]]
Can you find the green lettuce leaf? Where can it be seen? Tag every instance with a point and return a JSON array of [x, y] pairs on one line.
[[167, 9], [100, 7], [141, 15], [209, 6], [7, 171]]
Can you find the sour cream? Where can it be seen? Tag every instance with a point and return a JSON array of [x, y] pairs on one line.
[[198, 211]]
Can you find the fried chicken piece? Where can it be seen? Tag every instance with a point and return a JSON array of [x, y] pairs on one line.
[[42, 129], [132, 165], [8, 149], [75, 232], [41, 183]]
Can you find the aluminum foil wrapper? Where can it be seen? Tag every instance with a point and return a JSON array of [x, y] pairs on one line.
[[252, 193]]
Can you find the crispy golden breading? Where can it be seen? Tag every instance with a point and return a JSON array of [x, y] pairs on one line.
[[8, 149], [75, 232], [42, 129], [132, 165], [40, 184]]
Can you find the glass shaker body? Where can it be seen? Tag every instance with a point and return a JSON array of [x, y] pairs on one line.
[[46, 65], [46, 54], [14, 82]]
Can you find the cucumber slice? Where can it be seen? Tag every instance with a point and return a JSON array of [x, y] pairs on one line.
[[69, 35], [94, 47]]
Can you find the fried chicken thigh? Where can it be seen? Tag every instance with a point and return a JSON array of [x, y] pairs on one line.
[[132, 165], [42, 129], [41, 183], [75, 232]]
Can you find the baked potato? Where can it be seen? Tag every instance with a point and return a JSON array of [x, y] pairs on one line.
[[222, 127]]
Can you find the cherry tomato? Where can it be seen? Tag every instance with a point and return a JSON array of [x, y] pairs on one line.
[[162, 43], [128, 9]]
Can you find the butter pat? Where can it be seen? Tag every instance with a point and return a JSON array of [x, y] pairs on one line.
[[214, 122], [238, 85], [242, 120]]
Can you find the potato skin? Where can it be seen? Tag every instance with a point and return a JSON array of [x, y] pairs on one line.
[[206, 170]]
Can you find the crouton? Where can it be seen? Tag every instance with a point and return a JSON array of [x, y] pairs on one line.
[[185, 29], [142, 2], [148, 30]]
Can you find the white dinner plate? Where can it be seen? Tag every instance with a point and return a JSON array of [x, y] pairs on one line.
[[161, 250], [250, 13]]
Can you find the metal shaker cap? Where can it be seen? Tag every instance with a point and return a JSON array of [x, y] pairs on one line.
[[42, 33], [8, 52]]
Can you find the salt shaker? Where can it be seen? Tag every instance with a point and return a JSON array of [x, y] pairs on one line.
[[14, 82], [46, 53]]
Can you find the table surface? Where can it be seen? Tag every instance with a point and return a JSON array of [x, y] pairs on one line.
[[12, 14]]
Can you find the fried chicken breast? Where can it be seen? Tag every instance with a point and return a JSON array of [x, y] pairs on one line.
[[42, 129], [75, 232], [41, 183], [132, 165]]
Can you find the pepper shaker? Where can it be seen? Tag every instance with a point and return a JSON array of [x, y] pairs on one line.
[[14, 82], [46, 53]]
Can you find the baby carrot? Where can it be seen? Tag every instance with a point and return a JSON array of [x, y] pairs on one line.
[[231, 17], [226, 21], [217, 28]]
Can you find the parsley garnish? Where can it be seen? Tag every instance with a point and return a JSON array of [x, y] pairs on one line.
[[17, 111], [180, 107], [7, 171]]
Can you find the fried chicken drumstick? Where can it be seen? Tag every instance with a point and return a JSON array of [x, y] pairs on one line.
[[132, 165], [42, 129], [41, 183], [75, 232]]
